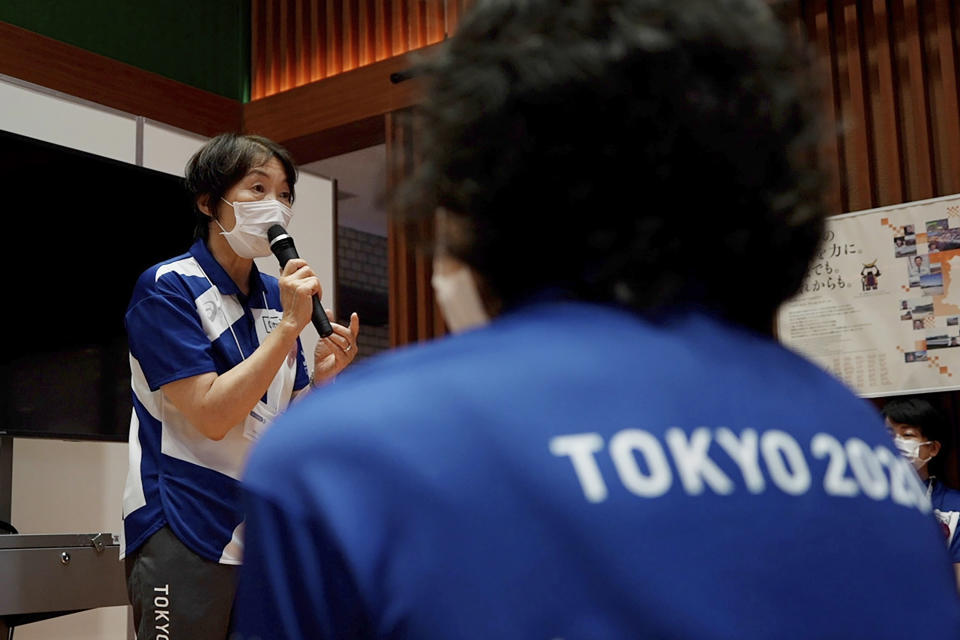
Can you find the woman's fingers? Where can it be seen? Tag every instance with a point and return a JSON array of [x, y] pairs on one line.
[[354, 325]]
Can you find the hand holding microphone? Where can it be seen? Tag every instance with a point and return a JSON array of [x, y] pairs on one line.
[[281, 244]]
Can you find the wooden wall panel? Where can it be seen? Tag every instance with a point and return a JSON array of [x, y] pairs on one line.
[[310, 117], [893, 96], [296, 42]]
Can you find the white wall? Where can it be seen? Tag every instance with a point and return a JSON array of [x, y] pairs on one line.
[[45, 115], [70, 487], [168, 149]]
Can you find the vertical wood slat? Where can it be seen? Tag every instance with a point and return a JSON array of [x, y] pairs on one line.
[[886, 134], [351, 32], [294, 42], [257, 24], [299, 44], [915, 121], [398, 21], [281, 35], [853, 88], [270, 34], [322, 53], [817, 19], [402, 286], [413, 314], [368, 25], [944, 95]]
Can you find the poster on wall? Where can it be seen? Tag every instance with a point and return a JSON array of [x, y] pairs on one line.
[[880, 306]]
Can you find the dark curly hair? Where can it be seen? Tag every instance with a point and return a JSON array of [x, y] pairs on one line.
[[651, 153], [223, 161]]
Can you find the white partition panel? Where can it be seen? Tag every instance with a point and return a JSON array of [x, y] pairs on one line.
[[168, 149], [70, 487], [66, 121], [313, 229]]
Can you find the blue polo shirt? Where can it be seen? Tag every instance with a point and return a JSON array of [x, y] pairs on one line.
[[573, 471], [946, 507], [187, 317]]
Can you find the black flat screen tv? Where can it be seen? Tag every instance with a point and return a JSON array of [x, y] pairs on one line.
[[80, 229]]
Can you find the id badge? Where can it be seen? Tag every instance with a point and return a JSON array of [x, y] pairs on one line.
[[257, 422]]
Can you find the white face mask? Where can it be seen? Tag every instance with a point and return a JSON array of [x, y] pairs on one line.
[[458, 299], [910, 449], [248, 238]]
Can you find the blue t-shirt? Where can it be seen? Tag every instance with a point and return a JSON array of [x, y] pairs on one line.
[[187, 317], [573, 471]]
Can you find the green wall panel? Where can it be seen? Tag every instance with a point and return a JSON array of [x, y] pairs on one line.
[[203, 43]]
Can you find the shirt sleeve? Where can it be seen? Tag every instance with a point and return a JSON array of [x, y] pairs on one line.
[[294, 582], [167, 339]]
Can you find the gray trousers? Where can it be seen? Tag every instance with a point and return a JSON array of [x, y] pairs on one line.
[[176, 594]]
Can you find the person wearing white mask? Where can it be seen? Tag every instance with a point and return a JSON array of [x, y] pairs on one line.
[[918, 430], [215, 355]]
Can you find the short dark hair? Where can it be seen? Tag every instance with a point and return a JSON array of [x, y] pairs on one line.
[[584, 144], [223, 161], [919, 413]]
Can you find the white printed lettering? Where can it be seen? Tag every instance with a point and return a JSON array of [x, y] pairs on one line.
[[642, 463], [165, 589], [580, 448], [785, 462], [745, 453], [835, 483], [161, 601], [623, 447], [867, 470], [693, 464]]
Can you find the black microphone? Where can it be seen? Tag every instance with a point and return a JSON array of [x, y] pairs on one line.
[[282, 246]]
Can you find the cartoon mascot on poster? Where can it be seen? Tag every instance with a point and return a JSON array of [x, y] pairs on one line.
[[870, 276]]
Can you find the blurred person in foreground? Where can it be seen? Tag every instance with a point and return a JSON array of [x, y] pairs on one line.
[[919, 431], [623, 450]]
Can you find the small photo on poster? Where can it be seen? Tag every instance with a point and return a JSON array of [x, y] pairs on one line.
[[918, 266], [937, 339], [945, 240], [932, 284], [904, 246], [937, 225], [921, 356], [921, 306], [908, 230], [918, 325]]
